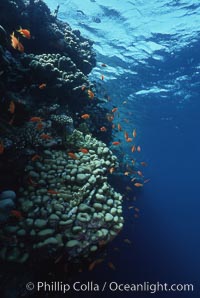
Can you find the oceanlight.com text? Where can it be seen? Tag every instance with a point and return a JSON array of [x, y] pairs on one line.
[[91, 286]]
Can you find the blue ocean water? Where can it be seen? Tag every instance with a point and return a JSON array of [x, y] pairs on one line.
[[152, 52]]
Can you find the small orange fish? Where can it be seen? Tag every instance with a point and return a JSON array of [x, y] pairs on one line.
[[128, 188], [114, 110], [138, 149], [31, 182], [143, 163], [137, 209], [52, 192], [127, 241], [111, 170], [17, 214], [16, 44], [136, 215], [14, 41], [83, 87], [137, 184], [125, 135], [35, 119], [147, 180], [45, 136], [103, 65], [116, 143], [102, 77], [20, 47], [2, 147], [129, 140], [72, 155], [109, 117], [39, 125], [42, 86], [103, 128], [111, 266], [94, 263], [11, 107], [85, 116], [25, 33], [90, 94], [133, 148], [134, 133], [133, 179], [84, 150], [140, 173], [35, 157], [102, 243], [119, 127]]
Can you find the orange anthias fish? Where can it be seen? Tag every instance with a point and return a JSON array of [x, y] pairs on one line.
[[111, 170], [90, 94], [133, 148], [72, 155], [143, 163], [39, 125], [25, 33], [17, 214], [119, 127], [116, 143], [52, 192], [102, 77], [147, 180], [103, 128], [20, 47], [127, 241], [134, 133], [31, 182], [129, 140], [140, 173], [14, 41], [16, 44], [114, 110], [94, 263], [35, 119], [111, 266], [11, 107], [42, 86], [109, 117], [35, 157], [84, 150], [137, 184], [125, 135], [138, 149], [83, 87], [85, 116], [2, 147], [45, 136]]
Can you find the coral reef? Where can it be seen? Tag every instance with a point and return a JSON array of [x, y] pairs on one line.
[[49, 155], [67, 204]]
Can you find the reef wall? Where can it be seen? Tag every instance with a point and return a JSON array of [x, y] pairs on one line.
[[59, 198]]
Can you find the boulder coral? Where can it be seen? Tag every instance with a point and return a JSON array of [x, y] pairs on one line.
[[67, 205]]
